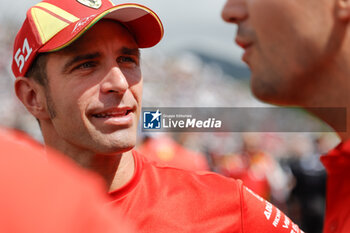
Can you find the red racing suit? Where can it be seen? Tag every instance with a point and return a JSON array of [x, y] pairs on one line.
[[164, 199], [337, 163]]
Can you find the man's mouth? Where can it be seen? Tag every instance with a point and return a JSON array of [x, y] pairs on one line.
[[120, 116], [114, 113], [247, 46], [244, 44]]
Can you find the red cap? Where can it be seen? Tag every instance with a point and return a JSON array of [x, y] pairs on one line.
[[54, 24]]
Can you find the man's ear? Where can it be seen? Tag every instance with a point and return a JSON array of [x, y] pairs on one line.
[[343, 10], [32, 95]]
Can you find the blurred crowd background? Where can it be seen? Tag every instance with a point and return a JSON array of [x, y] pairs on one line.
[[284, 168]]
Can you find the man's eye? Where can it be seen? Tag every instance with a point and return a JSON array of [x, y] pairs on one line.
[[126, 60], [86, 65]]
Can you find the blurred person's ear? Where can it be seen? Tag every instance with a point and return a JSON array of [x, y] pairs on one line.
[[342, 10], [32, 95]]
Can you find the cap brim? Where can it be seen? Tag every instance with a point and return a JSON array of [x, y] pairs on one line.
[[141, 21]]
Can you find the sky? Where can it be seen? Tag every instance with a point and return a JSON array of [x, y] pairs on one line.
[[189, 24]]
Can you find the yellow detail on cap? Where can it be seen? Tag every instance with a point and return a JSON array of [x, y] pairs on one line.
[[46, 24], [58, 11], [87, 27]]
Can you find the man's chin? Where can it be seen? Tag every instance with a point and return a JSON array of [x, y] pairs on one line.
[[263, 95], [114, 147], [266, 92], [278, 100], [118, 141], [114, 151]]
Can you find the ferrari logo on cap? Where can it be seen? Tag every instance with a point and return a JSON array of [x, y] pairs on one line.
[[91, 3]]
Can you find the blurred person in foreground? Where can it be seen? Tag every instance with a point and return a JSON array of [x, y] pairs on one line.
[[77, 68], [41, 191], [299, 54]]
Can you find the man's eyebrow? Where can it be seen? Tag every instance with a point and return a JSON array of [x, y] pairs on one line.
[[130, 51], [79, 58]]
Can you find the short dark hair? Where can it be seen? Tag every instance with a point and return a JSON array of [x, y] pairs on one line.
[[37, 70]]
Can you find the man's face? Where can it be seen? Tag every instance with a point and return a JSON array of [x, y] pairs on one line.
[[286, 43], [94, 90]]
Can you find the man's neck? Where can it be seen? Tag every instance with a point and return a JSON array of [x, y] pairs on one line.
[[116, 169], [124, 172], [332, 91]]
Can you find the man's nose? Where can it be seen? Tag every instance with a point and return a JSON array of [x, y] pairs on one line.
[[234, 11], [114, 81]]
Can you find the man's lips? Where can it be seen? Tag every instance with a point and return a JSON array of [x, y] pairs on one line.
[[243, 44], [246, 45], [119, 112], [121, 117]]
